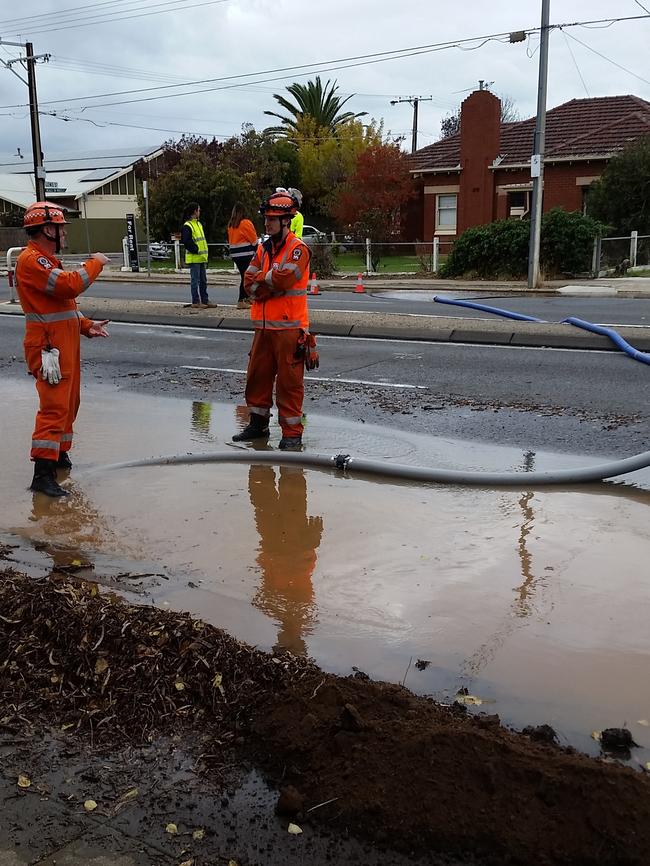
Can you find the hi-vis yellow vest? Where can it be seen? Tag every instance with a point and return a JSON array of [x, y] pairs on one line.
[[198, 236]]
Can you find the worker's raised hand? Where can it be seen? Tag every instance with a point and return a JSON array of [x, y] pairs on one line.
[[101, 258], [97, 329]]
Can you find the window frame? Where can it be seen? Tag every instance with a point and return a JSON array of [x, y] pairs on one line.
[[446, 229]]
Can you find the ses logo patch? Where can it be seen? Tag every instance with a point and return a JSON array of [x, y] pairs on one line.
[[44, 262]]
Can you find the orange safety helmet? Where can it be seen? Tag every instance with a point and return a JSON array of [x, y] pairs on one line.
[[279, 204], [43, 213]]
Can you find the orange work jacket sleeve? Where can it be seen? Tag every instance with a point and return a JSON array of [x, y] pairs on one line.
[[40, 276]]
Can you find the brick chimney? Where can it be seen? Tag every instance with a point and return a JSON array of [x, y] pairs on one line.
[[480, 142]]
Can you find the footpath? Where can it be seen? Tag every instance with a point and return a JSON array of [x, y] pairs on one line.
[[369, 324]]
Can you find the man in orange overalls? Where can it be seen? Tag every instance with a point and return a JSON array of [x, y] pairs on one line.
[[52, 326], [276, 281]]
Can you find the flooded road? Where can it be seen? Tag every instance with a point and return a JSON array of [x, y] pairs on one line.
[[536, 601]]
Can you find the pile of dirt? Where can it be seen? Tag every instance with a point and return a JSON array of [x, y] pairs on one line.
[[367, 758]]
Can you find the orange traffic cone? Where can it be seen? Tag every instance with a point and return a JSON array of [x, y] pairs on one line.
[[313, 285], [359, 289]]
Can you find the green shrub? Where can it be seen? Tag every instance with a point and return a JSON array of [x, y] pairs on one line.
[[500, 249], [567, 242]]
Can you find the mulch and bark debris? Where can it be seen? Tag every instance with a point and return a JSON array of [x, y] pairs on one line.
[[363, 757]]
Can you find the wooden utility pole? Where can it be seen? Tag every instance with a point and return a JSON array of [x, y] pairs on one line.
[[39, 171], [414, 101], [30, 62]]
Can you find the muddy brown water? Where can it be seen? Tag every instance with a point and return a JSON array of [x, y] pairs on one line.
[[535, 601]]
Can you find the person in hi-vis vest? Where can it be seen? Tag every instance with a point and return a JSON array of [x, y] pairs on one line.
[[298, 221], [196, 255]]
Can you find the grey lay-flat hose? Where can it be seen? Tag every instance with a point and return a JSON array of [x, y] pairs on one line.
[[385, 469]]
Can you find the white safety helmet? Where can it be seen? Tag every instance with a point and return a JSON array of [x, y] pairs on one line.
[[295, 193]]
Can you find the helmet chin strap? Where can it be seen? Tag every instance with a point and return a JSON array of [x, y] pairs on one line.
[[277, 237], [56, 238]]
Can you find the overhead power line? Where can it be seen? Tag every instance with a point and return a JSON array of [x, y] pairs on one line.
[[44, 16], [608, 59], [364, 59], [109, 18], [375, 57], [575, 62]]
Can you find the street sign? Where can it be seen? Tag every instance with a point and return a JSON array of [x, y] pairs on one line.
[[536, 165], [132, 242]]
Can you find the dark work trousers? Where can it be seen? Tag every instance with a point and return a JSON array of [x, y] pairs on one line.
[[242, 263]]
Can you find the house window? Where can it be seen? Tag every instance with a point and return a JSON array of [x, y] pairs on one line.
[[446, 207], [519, 203]]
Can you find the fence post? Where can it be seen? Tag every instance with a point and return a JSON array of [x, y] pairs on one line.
[[177, 254], [436, 255], [595, 260], [11, 272], [368, 256], [125, 255], [634, 240]]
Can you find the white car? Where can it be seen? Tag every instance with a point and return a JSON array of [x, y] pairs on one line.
[[159, 251], [312, 235]]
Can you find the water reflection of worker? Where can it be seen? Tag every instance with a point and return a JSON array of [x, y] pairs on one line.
[[287, 552], [65, 528], [201, 417]]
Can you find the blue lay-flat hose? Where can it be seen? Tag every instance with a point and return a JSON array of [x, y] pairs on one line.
[[507, 314], [615, 337]]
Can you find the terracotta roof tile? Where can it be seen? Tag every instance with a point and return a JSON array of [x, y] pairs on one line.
[[594, 127]]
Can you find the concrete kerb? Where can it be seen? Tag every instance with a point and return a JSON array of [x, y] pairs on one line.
[[370, 325]]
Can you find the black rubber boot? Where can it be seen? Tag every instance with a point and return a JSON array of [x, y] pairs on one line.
[[44, 480], [258, 428], [64, 461], [290, 443]]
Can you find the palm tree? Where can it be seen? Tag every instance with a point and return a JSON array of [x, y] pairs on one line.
[[314, 101]]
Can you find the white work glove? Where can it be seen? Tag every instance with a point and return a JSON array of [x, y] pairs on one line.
[[50, 368], [100, 257]]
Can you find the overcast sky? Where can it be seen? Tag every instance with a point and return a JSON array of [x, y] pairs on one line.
[[136, 45]]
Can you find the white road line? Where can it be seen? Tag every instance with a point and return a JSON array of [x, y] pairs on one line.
[[316, 378]]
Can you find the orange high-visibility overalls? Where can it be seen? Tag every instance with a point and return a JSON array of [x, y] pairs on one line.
[[47, 295], [277, 283], [286, 555]]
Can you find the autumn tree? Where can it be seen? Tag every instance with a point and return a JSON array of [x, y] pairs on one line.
[[621, 198], [372, 198], [326, 161]]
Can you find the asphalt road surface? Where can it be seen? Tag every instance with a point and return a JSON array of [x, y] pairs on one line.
[[601, 310], [560, 400]]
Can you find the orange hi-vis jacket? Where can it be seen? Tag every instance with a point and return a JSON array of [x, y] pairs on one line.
[[242, 240], [277, 283], [47, 295]]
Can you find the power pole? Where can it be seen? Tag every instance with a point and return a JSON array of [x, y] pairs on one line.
[[30, 62], [414, 101], [39, 171], [537, 159]]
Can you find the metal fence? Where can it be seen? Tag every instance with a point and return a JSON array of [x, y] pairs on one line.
[[349, 257], [624, 253]]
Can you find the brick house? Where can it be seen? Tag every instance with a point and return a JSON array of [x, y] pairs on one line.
[[482, 173]]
